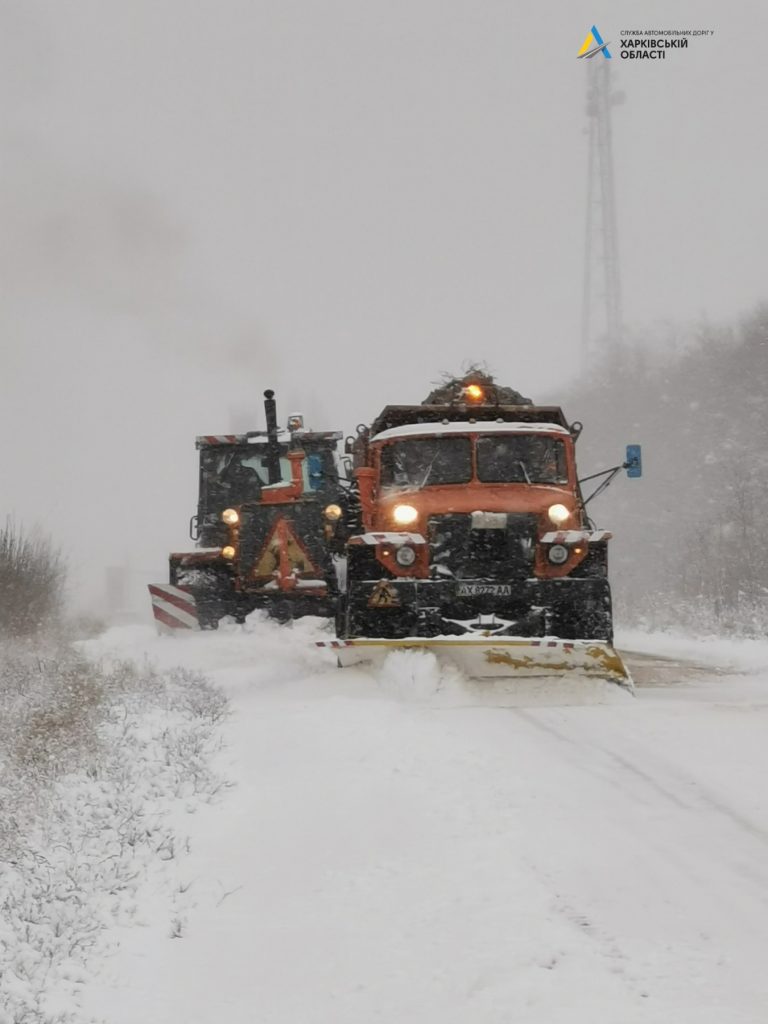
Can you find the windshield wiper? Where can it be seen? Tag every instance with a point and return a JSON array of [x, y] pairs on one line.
[[525, 471], [427, 474]]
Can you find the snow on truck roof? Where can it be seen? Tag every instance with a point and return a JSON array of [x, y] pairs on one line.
[[467, 427]]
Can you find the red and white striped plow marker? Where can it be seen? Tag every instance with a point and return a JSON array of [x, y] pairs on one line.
[[173, 607]]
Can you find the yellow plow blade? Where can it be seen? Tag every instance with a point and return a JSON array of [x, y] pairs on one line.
[[503, 658]]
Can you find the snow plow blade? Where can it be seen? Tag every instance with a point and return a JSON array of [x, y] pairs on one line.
[[501, 658]]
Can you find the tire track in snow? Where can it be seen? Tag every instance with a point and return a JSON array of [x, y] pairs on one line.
[[705, 891], [562, 737], [687, 782], [704, 881]]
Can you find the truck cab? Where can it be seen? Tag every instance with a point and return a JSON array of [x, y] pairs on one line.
[[261, 528], [234, 470]]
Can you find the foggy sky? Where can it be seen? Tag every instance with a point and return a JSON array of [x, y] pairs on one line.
[[339, 200]]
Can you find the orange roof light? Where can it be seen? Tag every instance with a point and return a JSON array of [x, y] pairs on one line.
[[474, 392]]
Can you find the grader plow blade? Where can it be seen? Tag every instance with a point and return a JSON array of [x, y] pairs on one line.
[[567, 670]]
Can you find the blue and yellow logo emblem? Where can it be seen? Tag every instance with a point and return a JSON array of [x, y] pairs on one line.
[[593, 45]]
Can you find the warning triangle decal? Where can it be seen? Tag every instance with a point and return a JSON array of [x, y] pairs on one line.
[[384, 595], [283, 552]]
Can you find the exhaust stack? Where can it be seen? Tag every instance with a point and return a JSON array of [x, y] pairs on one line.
[[273, 446]]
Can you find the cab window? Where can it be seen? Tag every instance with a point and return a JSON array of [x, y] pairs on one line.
[[521, 459], [426, 462]]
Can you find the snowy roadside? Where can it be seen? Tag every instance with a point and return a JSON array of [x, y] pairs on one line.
[[100, 763]]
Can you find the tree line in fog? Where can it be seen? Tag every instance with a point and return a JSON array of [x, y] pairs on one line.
[[690, 541]]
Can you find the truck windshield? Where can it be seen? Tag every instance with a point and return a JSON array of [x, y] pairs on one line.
[[521, 458], [426, 461], [231, 477]]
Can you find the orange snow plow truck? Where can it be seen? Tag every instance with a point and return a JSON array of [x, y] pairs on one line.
[[466, 533]]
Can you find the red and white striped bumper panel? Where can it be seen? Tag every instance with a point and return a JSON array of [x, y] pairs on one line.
[[388, 538], [173, 607], [576, 536]]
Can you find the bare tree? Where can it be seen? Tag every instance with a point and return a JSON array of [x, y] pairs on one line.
[[32, 581]]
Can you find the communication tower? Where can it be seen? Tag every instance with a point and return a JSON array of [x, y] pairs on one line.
[[601, 306]]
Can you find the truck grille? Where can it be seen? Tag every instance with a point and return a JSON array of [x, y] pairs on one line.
[[459, 550]]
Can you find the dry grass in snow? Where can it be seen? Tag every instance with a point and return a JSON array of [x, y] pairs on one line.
[[95, 765]]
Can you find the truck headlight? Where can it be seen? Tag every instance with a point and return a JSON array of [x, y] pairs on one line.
[[228, 553], [231, 516], [558, 514], [332, 512], [404, 515]]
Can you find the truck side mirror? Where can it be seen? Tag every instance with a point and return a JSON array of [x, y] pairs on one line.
[[634, 463]]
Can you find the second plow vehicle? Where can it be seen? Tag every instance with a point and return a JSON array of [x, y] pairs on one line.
[[458, 525]]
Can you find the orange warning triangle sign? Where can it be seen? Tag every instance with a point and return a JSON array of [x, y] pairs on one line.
[[283, 551]]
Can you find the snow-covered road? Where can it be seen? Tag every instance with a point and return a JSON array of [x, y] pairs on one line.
[[387, 856]]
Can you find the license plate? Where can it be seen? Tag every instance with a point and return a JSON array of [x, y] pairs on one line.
[[484, 589]]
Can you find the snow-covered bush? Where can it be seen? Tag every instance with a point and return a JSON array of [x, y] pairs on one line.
[[93, 761]]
